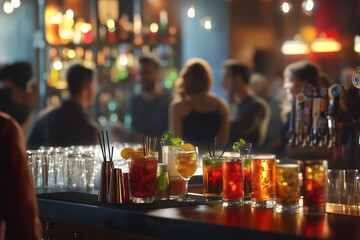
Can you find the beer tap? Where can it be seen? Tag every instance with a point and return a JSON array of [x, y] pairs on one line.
[[299, 119], [307, 120], [292, 138], [314, 141], [323, 128], [334, 92]]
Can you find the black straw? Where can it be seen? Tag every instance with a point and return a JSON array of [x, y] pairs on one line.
[[104, 144], [112, 153], [224, 150], [208, 145], [101, 146], [143, 142], [108, 144], [214, 146]]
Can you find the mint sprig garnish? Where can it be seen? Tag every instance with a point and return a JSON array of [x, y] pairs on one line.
[[237, 144], [168, 137]]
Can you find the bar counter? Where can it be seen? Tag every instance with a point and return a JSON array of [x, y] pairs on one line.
[[196, 221]]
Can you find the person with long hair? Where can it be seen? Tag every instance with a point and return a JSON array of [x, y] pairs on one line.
[[195, 114]]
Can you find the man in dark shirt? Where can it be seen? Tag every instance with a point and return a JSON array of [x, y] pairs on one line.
[[250, 114], [149, 109], [68, 124], [17, 95]]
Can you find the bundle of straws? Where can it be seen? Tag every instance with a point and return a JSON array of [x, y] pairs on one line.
[[103, 146], [149, 145], [214, 147]]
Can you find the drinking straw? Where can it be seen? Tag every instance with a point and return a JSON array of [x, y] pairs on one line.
[[155, 139], [112, 153], [108, 144], [101, 146], [104, 144], [214, 146], [224, 150], [143, 143], [208, 145]]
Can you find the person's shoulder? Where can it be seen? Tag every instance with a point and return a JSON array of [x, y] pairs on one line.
[[258, 101], [180, 105], [8, 124], [223, 106]]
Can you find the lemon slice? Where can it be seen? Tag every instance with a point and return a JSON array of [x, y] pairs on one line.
[[126, 152], [187, 147]]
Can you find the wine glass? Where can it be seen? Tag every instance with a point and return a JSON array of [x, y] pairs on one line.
[[186, 163]]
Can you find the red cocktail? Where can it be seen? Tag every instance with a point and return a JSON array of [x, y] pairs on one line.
[[233, 182], [143, 178]]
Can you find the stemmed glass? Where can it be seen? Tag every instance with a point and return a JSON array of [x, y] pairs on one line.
[[186, 163]]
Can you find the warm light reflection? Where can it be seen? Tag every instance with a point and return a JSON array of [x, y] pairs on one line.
[[357, 43], [207, 23], [324, 44], [110, 23], [57, 65], [137, 23], [69, 14], [308, 6], [191, 12], [15, 3], [154, 27], [285, 7], [8, 8], [71, 54], [294, 47], [123, 60], [172, 30]]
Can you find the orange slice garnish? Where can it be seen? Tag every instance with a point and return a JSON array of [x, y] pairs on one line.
[[187, 147], [126, 152]]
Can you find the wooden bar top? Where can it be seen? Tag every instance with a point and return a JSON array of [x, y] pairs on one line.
[[209, 221]]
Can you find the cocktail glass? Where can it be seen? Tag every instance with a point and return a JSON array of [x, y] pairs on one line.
[[245, 151], [186, 163], [314, 174], [263, 178], [176, 182], [287, 187], [143, 177], [233, 181], [212, 177]]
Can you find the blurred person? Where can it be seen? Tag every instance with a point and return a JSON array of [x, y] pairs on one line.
[[68, 124], [250, 113], [352, 99], [149, 109], [17, 92], [18, 205], [261, 86], [196, 114], [325, 81]]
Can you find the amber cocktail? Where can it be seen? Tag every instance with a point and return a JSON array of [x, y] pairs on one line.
[[143, 178], [287, 187], [263, 178], [186, 163]]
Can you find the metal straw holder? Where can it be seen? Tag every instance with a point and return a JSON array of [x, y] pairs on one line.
[[127, 192], [116, 190], [105, 174]]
